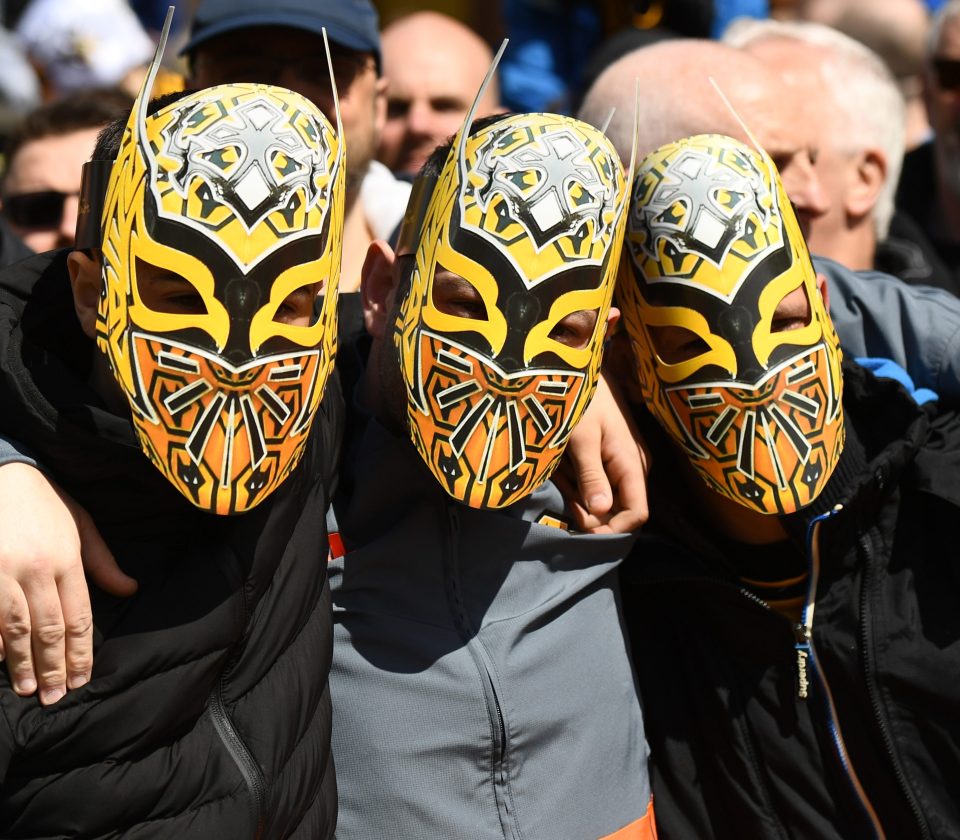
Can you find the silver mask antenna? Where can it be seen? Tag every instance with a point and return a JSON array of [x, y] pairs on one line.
[[333, 87], [461, 143], [607, 121], [143, 98], [746, 130], [736, 116], [633, 146]]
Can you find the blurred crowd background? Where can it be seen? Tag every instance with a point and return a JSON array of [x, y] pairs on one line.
[[70, 66], [52, 48]]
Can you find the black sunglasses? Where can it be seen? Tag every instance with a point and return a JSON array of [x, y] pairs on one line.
[[36, 209], [948, 73]]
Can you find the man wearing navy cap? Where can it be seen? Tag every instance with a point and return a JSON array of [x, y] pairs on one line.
[[247, 41]]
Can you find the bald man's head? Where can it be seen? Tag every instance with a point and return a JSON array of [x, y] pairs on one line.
[[677, 100], [434, 66], [676, 97]]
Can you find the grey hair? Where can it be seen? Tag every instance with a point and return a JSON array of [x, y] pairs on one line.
[[948, 11], [870, 110]]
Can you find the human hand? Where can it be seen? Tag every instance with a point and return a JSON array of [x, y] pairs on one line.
[[46, 625], [603, 476]]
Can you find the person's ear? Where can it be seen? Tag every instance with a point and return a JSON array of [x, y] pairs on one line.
[[868, 175], [377, 287], [86, 281], [612, 317], [824, 288]]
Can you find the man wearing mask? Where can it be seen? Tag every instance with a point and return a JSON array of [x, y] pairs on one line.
[[179, 395], [875, 314], [792, 605], [476, 639]]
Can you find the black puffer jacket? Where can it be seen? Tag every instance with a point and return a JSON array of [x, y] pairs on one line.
[[208, 715], [735, 751]]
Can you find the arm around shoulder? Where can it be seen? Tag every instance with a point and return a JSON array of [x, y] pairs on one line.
[[46, 624]]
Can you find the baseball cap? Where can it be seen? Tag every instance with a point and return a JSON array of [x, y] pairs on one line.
[[350, 23]]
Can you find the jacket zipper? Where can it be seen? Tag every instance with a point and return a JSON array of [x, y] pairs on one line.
[[241, 756], [874, 700], [808, 663], [237, 749], [504, 799]]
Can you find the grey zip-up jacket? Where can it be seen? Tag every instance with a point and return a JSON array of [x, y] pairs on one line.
[[918, 327], [481, 682]]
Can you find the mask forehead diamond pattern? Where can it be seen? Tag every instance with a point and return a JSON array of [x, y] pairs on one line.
[[701, 205], [544, 183], [248, 159]]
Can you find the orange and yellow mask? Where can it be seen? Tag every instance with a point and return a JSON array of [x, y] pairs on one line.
[[736, 354], [236, 194], [527, 214]]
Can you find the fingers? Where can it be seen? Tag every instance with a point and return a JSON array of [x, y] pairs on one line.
[[31, 624], [585, 456], [15, 629], [594, 488], [46, 619], [47, 631], [610, 464], [98, 560], [584, 521], [566, 484], [78, 628], [627, 468], [40, 564]]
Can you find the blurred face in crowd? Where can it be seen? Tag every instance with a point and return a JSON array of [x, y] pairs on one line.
[[942, 94], [785, 123], [799, 66], [433, 66], [42, 187], [295, 59], [679, 97]]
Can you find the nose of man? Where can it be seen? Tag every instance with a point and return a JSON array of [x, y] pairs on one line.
[[806, 192]]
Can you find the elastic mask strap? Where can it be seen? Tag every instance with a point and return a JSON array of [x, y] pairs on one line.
[[93, 191], [409, 237]]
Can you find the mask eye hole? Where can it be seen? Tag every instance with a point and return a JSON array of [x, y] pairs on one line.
[[793, 312], [457, 296], [163, 290], [301, 307], [576, 329], [676, 344]]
